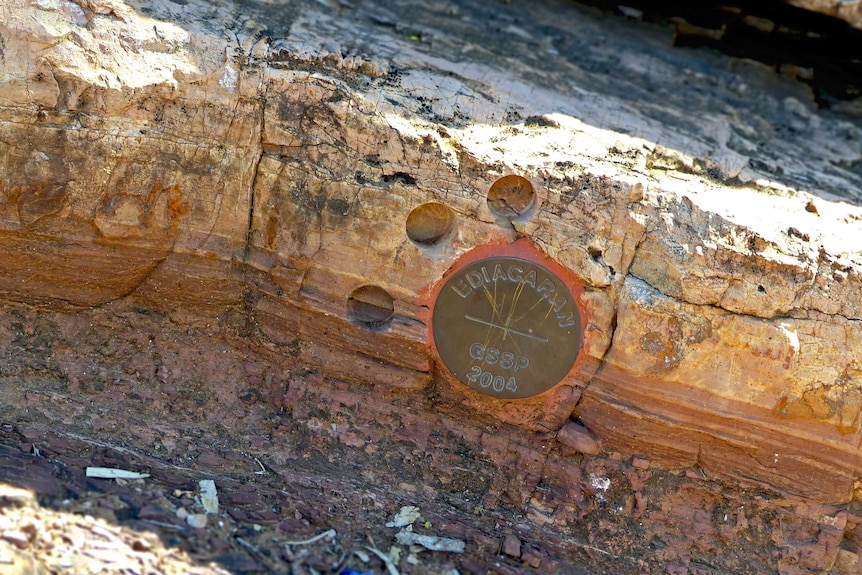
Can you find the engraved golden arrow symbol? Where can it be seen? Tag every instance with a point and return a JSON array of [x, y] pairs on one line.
[[506, 329]]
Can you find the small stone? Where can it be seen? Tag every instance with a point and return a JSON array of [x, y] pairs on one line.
[[640, 462], [265, 515], [152, 512], [532, 557], [695, 473], [794, 232], [242, 497], [579, 438], [640, 504], [16, 497], [209, 496], [431, 542], [237, 514], [846, 563], [407, 515], [315, 516], [473, 567], [197, 520], [17, 538], [292, 525], [512, 546]]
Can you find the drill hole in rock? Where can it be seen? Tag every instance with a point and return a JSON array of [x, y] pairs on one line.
[[430, 224], [511, 197], [371, 307]]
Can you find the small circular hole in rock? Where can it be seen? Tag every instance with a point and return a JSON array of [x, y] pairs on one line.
[[370, 306], [430, 224], [511, 197]]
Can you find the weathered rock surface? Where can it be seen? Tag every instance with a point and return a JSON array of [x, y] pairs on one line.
[[250, 165], [851, 11]]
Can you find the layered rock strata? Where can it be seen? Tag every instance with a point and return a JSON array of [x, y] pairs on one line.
[[256, 165]]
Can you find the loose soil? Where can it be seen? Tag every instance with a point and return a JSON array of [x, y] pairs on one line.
[[295, 455]]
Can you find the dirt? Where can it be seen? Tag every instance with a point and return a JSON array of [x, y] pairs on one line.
[[295, 455]]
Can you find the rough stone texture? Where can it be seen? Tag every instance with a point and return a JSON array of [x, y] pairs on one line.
[[578, 438], [248, 165], [849, 10], [134, 169], [294, 451]]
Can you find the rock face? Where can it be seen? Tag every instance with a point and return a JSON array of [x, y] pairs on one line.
[[849, 11], [254, 165]]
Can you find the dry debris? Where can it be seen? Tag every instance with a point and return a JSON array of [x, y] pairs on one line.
[[430, 542], [111, 473]]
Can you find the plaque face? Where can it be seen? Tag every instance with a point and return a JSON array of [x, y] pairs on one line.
[[507, 327]]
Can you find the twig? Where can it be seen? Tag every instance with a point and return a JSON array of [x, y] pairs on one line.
[[341, 562], [330, 534], [170, 526], [258, 555], [247, 545], [591, 548], [262, 468], [390, 566]]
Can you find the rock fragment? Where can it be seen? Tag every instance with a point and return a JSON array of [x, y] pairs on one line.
[[579, 438], [430, 542], [512, 546]]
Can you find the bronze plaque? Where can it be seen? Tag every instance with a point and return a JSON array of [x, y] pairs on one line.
[[507, 327]]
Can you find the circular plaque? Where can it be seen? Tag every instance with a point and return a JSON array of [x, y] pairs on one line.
[[507, 327]]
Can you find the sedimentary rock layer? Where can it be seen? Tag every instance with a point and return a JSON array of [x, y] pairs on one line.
[[257, 164]]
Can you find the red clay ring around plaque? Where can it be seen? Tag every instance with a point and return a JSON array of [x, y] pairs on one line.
[[522, 249]]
